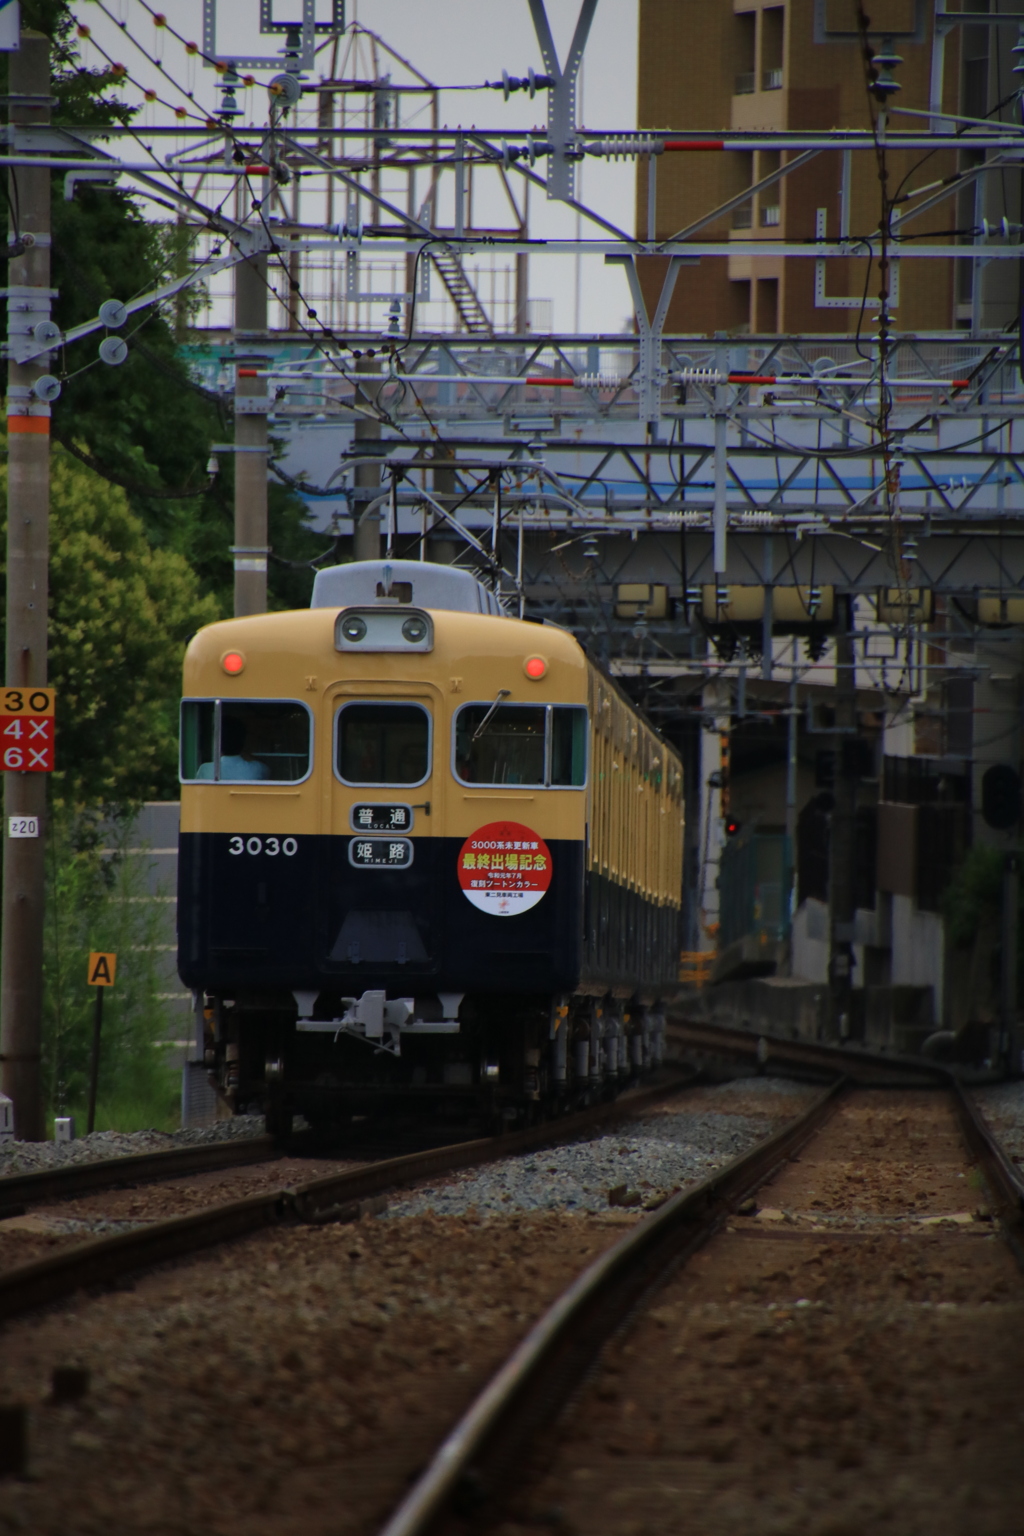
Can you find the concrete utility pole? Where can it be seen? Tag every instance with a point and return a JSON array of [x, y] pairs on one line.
[[844, 820], [1011, 1050], [28, 554], [791, 821], [366, 537], [251, 404]]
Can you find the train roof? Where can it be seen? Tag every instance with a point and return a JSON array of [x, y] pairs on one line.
[[364, 582]]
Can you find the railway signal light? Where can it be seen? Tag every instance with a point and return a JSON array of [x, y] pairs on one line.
[[732, 826]]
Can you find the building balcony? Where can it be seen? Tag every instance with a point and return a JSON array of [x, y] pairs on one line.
[[771, 80], [743, 218], [745, 83], [771, 215]]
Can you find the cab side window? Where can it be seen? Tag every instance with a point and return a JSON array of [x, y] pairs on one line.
[[522, 744], [500, 746], [382, 744], [233, 741]]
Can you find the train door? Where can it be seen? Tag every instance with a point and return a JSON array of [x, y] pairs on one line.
[[383, 906]]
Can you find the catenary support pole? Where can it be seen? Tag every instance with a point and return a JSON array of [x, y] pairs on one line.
[[719, 515], [28, 549], [250, 547], [1010, 915], [844, 816], [791, 767], [366, 540]]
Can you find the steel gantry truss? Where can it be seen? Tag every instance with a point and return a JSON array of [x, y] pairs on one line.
[[568, 465]]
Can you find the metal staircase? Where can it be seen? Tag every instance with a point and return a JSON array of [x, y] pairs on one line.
[[463, 294]]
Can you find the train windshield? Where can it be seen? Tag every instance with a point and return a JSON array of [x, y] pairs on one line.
[[230, 741], [534, 744], [383, 744]]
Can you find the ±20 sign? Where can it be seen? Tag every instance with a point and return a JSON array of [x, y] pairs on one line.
[[26, 730]]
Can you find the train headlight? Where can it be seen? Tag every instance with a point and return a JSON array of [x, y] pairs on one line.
[[233, 663], [384, 629], [415, 630], [535, 668], [354, 629]]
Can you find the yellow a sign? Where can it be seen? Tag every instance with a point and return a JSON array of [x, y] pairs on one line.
[[102, 969]]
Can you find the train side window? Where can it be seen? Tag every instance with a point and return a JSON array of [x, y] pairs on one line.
[[521, 744], [500, 746], [568, 746], [383, 744], [197, 735], [233, 741]]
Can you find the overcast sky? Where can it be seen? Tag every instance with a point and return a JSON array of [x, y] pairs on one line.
[[453, 43]]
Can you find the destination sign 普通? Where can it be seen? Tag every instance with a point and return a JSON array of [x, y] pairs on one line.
[[381, 818]]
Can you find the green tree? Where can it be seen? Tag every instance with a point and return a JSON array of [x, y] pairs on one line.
[[974, 894], [121, 613]]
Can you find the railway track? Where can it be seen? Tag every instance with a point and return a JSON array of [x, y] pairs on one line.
[[19, 1190], [107, 1260], [811, 1367], [853, 1062]]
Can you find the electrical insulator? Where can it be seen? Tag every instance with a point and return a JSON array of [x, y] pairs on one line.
[[1001, 229], [1018, 51], [229, 102], [531, 82], [292, 49], [886, 61], [702, 376], [599, 381], [624, 146], [113, 350]]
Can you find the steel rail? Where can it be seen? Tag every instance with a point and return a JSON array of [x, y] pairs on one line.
[[1005, 1180], [105, 1260], [860, 1066], [20, 1189], [471, 1469], [466, 1474]]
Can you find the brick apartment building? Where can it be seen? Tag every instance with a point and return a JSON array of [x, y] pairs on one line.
[[759, 64]]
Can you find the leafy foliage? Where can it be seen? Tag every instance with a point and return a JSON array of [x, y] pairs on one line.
[[120, 615], [92, 904], [974, 893]]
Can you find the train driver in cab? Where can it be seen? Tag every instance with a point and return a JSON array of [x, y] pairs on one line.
[[235, 761]]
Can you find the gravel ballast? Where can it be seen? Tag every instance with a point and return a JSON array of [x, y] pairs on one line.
[[1003, 1108], [651, 1156], [291, 1384], [27, 1156]]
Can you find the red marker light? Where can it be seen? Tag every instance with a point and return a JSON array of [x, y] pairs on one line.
[[233, 662], [535, 667]]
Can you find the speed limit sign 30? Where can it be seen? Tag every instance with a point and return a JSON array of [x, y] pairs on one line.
[[26, 730]]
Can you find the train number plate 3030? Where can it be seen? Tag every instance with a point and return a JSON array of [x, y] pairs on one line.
[[380, 852]]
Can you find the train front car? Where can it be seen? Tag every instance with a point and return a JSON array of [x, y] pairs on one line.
[[382, 886]]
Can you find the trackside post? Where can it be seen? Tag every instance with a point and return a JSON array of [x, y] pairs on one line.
[[102, 973], [28, 550]]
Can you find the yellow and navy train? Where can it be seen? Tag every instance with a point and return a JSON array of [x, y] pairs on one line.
[[427, 850]]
